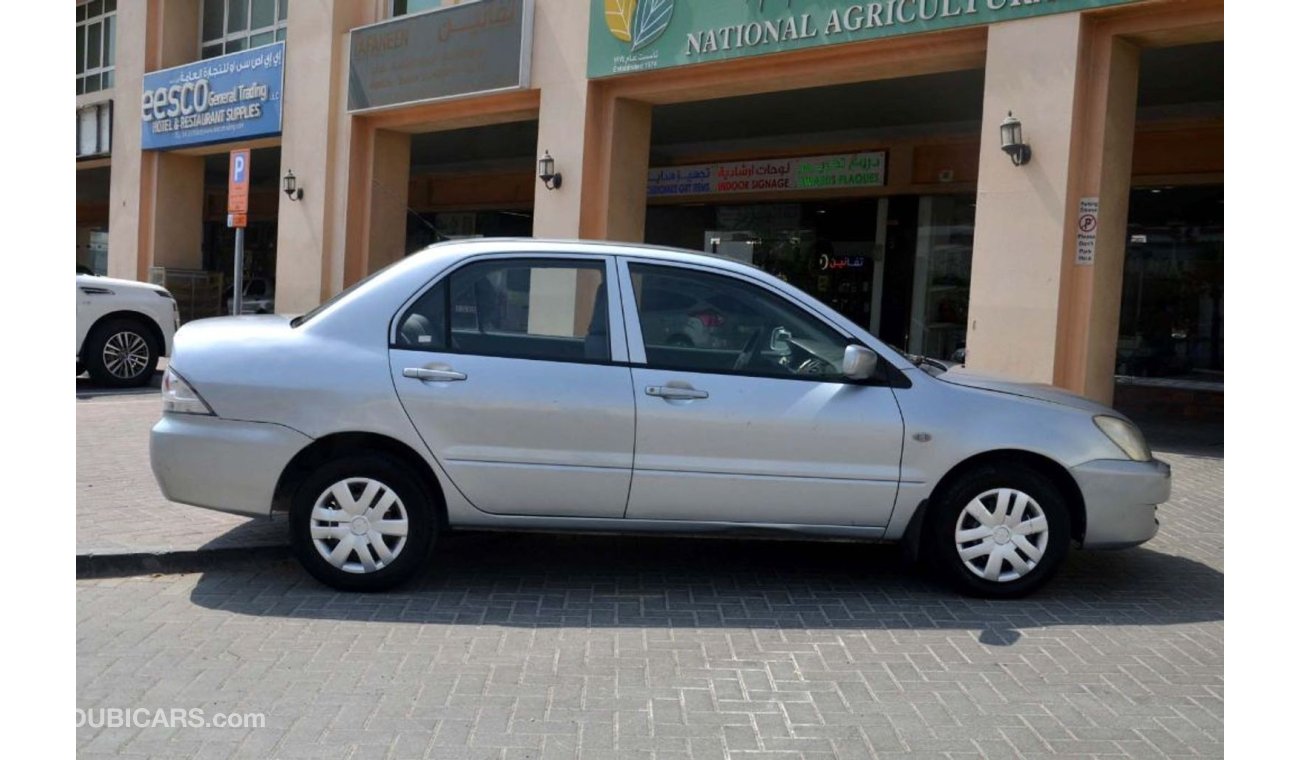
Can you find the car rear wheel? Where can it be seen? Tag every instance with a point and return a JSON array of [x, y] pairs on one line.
[[362, 523], [1001, 531], [121, 353]]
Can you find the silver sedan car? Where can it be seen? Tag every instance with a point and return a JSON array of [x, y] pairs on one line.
[[509, 385]]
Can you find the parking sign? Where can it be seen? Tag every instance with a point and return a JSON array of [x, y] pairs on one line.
[[241, 165]]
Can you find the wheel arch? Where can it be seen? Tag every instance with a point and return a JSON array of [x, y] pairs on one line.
[[335, 445], [1053, 470], [136, 316]]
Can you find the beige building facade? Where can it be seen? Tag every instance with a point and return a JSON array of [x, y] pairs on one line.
[[854, 148]]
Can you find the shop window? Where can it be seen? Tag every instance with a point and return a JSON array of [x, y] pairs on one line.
[[407, 7], [96, 45], [230, 26], [94, 129], [1171, 311], [530, 310], [699, 322], [945, 238]]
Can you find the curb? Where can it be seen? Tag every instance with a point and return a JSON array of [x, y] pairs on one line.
[[172, 562]]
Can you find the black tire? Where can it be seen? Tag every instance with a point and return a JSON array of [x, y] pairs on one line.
[[942, 549], [126, 372], [420, 511]]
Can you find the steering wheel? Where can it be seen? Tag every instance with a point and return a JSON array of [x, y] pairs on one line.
[[747, 353]]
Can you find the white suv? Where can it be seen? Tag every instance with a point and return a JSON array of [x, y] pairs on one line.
[[123, 327]]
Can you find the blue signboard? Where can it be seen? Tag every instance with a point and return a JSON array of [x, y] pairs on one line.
[[234, 97]]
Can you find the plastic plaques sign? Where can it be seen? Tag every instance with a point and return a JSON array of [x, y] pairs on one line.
[[628, 36], [234, 97], [468, 49], [770, 175]]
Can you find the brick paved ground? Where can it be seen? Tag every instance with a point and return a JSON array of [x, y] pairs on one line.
[[561, 647], [119, 506]]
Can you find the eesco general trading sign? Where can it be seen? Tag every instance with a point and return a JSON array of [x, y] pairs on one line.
[[234, 97], [640, 35]]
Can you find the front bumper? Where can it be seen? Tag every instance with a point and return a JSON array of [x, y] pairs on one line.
[[226, 465], [1120, 499]]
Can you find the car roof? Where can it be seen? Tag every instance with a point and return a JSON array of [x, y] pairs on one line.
[[473, 246]]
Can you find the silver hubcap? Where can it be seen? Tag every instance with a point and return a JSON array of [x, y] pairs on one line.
[[359, 525], [126, 354], [1001, 535]]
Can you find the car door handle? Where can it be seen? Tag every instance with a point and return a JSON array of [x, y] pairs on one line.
[[673, 392], [425, 373]]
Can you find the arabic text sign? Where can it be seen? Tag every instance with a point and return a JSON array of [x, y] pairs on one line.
[[458, 50], [640, 35], [233, 97], [774, 175]]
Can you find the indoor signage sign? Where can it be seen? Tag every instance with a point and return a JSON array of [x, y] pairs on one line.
[[641, 35], [770, 175], [233, 97]]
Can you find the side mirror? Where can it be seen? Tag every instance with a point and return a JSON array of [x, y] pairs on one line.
[[859, 362], [780, 340]]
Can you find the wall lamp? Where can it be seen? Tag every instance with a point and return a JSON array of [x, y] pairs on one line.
[[546, 172], [1013, 143], [291, 188]]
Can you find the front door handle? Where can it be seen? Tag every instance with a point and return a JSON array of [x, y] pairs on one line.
[[425, 373], [673, 392]]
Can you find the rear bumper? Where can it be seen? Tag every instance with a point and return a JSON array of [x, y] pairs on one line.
[[226, 465], [1120, 498]]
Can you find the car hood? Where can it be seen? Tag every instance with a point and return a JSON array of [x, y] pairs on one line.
[[114, 283], [1037, 391]]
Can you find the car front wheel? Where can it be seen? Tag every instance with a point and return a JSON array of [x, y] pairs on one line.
[[1001, 531], [362, 523], [121, 353]]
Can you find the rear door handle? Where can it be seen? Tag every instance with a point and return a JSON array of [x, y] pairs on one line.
[[442, 375], [672, 392]]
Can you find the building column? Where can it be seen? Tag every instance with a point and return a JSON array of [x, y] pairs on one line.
[[310, 236], [617, 168], [155, 198], [1090, 295], [559, 70], [1035, 314], [390, 177]]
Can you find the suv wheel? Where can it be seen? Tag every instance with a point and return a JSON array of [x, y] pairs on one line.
[[121, 353], [362, 523], [1000, 531]]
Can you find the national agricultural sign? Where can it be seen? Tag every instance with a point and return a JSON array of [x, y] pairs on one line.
[[641, 35]]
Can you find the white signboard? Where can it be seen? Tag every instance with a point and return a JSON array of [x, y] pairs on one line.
[[1086, 232]]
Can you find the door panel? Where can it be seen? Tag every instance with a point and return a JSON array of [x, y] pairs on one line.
[[526, 437], [765, 450], [503, 367], [751, 420]]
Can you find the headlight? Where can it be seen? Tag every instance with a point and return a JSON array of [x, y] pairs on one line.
[[179, 397], [1126, 436]]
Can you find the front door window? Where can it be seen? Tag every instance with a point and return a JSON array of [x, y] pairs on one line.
[[700, 322]]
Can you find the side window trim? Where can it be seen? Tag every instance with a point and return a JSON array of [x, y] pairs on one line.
[[618, 345]]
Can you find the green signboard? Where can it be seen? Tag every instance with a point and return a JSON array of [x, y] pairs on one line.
[[641, 35]]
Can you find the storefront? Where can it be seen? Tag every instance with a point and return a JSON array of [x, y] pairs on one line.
[[191, 117], [951, 235]]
